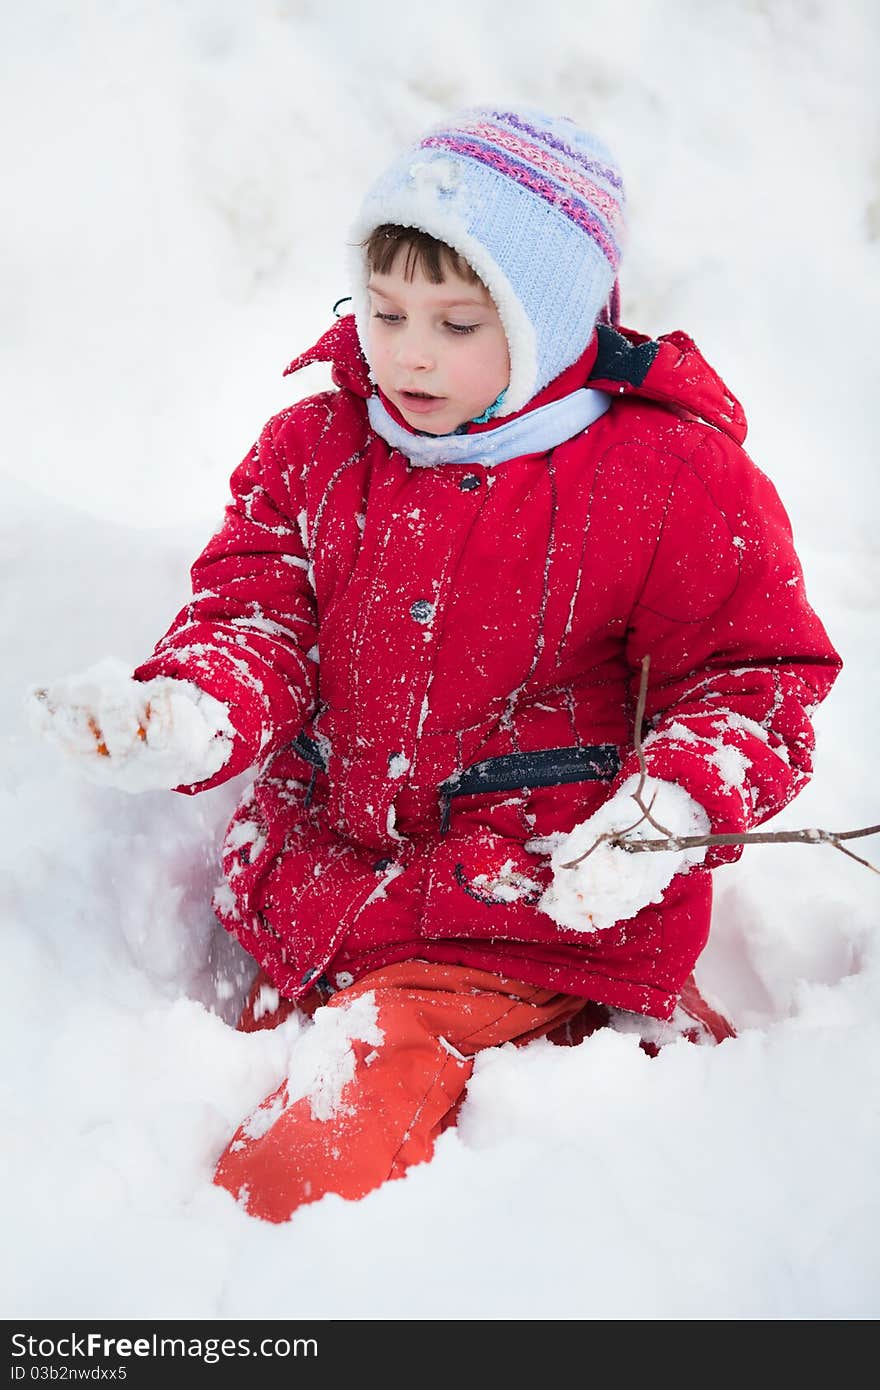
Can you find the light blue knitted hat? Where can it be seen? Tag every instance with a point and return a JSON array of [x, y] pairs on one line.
[[535, 205]]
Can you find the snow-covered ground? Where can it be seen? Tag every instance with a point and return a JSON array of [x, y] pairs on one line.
[[179, 181]]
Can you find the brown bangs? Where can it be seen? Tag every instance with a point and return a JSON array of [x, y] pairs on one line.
[[420, 249]]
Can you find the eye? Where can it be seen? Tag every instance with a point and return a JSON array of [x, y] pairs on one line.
[[388, 318], [463, 327]]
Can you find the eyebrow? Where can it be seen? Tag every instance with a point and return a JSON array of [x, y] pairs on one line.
[[470, 302]]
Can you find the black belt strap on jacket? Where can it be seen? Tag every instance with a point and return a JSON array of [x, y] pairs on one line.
[[309, 750], [545, 767]]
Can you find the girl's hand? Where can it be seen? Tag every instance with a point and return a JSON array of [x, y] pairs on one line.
[[133, 735], [612, 884]]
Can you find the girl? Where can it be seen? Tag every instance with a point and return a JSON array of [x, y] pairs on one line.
[[423, 623]]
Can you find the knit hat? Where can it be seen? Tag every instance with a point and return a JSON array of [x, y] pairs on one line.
[[535, 205]]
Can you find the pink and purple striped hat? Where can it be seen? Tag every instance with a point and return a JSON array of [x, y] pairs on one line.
[[532, 202]]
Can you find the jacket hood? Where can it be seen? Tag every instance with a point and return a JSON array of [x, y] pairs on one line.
[[669, 370]]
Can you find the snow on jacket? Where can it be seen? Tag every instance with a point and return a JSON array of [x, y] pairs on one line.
[[435, 668]]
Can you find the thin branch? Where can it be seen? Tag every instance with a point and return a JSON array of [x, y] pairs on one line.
[[640, 754], [640, 714], [751, 837]]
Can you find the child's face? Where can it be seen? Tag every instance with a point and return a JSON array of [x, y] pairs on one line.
[[438, 352]]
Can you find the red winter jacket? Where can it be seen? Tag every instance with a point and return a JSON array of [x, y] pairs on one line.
[[433, 666]]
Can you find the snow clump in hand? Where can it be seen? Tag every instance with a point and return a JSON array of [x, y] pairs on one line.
[[133, 735], [612, 884]]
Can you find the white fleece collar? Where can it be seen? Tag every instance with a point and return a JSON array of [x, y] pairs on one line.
[[532, 433]]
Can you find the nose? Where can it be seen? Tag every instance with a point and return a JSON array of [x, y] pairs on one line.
[[414, 351]]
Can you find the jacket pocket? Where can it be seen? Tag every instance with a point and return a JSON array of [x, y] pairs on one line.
[[483, 886], [489, 869], [544, 778]]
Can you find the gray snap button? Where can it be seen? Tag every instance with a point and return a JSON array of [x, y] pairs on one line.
[[422, 610], [469, 482]]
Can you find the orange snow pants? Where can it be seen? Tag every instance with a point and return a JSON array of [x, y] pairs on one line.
[[407, 1075], [393, 1075]]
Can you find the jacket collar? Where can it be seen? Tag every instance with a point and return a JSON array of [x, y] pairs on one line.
[[670, 370]]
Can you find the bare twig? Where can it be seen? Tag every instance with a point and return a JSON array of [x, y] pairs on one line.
[[618, 838], [752, 837]]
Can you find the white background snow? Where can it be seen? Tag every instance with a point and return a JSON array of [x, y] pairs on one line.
[[178, 182]]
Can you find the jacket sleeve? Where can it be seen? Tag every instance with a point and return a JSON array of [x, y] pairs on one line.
[[738, 658], [248, 634]]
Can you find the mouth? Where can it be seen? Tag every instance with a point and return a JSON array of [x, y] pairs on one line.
[[420, 402]]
